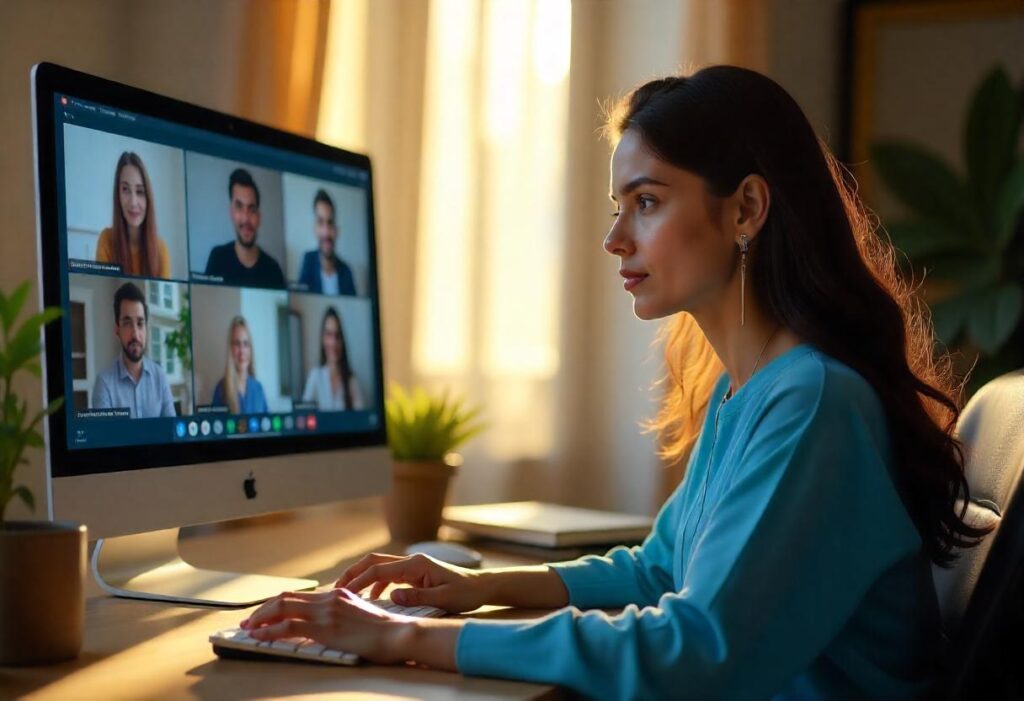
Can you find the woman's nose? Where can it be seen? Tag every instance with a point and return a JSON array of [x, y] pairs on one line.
[[616, 241]]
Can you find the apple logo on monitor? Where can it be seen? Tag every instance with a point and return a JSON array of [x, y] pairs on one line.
[[249, 485]]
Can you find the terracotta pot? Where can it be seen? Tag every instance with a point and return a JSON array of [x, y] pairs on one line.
[[42, 591], [418, 492]]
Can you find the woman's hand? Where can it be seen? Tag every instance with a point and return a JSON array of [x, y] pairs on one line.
[[337, 619], [454, 589], [341, 620]]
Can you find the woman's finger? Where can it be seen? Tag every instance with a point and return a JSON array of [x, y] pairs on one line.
[[289, 605], [403, 571], [287, 628], [377, 590], [365, 563]]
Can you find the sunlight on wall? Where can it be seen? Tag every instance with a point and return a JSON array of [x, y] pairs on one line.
[[441, 325], [342, 120], [492, 216]]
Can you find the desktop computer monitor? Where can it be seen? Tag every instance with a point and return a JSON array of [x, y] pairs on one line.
[[220, 347]]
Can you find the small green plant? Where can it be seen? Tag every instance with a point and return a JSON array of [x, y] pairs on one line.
[[423, 426], [19, 428], [179, 341], [968, 231]]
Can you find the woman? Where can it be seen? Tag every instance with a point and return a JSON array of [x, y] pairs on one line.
[[132, 241], [239, 389], [331, 384], [794, 560]]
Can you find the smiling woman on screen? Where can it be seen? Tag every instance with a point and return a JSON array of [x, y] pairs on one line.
[[132, 241], [781, 566]]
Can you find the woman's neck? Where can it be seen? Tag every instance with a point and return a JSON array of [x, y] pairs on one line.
[[745, 349], [240, 379], [134, 236]]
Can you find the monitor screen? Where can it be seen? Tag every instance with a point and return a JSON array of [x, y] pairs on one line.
[[218, 282]]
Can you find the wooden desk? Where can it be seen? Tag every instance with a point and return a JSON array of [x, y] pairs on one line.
[[149, 650]]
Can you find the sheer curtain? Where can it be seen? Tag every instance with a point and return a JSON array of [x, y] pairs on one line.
[[463, 105]]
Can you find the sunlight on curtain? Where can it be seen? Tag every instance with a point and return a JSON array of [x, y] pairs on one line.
[[492, 215], [342, 117]]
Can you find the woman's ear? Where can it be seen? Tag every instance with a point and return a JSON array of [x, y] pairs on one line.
[[751, 203]]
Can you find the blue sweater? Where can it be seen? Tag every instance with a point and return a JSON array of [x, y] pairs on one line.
[[784, 566]]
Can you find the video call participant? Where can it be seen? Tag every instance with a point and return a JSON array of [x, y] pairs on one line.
[[133, 382], [132, 241], [332, 385], [243, 262], [322, 270], [239, 389]]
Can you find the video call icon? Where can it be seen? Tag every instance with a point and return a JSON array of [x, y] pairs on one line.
[[254, 425], [231, 426], [179, 429], [193, 429], [300, 423], [265, 424], [311, 422], [218, 427]]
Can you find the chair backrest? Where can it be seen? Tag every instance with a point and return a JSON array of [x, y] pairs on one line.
[[974, 590]]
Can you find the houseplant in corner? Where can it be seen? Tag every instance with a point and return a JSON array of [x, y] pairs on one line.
[[967, 231], [42, 564], [424, 430]]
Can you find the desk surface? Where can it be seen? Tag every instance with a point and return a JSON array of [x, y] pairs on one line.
[[139, 649]]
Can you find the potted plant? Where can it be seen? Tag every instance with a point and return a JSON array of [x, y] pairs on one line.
[[42, 564], [179, 342], [967, 232], [424, 430]]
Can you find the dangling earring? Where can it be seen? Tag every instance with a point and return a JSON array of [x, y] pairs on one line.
[[744, 247]]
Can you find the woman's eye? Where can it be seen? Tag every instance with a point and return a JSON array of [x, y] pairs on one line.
[[644, 201]]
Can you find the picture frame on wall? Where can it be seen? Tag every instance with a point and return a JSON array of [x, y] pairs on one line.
[[911, 67]]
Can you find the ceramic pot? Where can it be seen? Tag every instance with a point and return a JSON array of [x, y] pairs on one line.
[[42, 591], [418, 492]]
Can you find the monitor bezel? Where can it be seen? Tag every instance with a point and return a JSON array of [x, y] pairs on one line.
[[50, 80]]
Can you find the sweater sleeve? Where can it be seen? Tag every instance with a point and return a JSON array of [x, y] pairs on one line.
[[637, 575], [782, 562]]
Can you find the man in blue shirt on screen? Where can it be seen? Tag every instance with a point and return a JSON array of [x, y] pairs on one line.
[[133, 382], [322, 270]]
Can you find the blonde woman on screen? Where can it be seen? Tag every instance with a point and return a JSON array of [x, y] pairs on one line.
[[132, 241], [332, 385], [239, 389]]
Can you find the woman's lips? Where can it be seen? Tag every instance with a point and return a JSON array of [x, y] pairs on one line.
[[631, 281]]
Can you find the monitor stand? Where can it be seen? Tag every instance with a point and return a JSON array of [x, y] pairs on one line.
[[147, 566]]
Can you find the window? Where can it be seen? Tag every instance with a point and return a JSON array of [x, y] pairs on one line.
[[162, 354], [162, 298]]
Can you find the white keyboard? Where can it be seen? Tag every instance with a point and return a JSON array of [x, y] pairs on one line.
[[237, 643]]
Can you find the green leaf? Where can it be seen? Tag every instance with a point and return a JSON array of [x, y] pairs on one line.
[[12, 305], [919, 239], [26, 496], [970, 271], [994, 315], [990, 135], [1009, 205], [924, 183], [949, 317]]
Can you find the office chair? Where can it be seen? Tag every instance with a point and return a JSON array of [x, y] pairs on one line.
[[980, 596]]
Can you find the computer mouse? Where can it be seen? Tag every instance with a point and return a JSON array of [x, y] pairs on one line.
[[452, 553]]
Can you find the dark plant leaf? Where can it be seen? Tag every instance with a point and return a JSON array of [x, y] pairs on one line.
[[919, 239], [994, 315], [12, 305], [949, 317], [26, 496], [1009, 205], [971, 271], [990, 135], [924, 183]]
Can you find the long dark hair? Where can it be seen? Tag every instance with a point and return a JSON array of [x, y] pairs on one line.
[[344, 369], [818, 269], [150, 255]]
